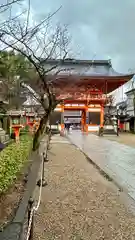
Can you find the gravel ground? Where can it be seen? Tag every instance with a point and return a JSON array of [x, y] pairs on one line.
[[78, 202], [124, 138]]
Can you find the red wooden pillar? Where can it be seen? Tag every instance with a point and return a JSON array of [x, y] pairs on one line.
[[102, 116], [83, 121], [62, 118], [86, 123], [27, 120]]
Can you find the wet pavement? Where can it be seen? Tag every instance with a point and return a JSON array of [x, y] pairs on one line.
[[124, 138], [79, 203], [115, 159]]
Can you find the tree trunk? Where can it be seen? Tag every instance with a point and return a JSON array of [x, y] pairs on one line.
[[40, 131], [42, 126]]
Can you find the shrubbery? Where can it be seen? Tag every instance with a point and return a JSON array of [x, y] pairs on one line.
[[12, 159]]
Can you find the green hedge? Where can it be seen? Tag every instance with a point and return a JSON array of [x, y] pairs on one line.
[[12, 159]]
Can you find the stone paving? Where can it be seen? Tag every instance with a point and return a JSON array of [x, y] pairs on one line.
[[79, 203], [124, 138], [116, 159]]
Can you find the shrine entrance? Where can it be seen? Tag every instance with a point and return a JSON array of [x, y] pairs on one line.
[[80, 122], [84, 85], [73, 118], [90, 116], [82, 116]]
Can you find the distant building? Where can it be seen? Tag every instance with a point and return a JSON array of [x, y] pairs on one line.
[[125, 111], [130, 109], [130, 103]]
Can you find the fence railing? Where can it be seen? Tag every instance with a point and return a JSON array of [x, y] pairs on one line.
[[22, 225]]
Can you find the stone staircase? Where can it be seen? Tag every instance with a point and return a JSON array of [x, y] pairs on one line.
[[108, 130]]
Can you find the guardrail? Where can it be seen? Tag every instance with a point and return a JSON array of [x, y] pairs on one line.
[[22, 225]]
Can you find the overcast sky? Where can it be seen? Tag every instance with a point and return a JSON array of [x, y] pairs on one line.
[[104, 28], [101, 28]]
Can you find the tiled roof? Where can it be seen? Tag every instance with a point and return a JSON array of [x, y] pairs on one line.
[[86, 68]]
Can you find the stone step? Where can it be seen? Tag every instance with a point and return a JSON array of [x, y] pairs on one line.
[[109, 132]]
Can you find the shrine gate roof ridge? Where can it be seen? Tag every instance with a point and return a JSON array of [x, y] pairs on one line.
[[84, 68], [77, 62]]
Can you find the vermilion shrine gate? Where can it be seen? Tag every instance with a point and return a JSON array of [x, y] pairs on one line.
[[83, 85]]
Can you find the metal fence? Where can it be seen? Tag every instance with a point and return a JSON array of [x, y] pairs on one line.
[[22, 225]]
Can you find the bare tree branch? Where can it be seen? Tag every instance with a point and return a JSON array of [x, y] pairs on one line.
[[37, 44], [9, 3]]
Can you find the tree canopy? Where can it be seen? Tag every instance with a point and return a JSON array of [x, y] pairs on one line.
[[13, 69], [13, 65]]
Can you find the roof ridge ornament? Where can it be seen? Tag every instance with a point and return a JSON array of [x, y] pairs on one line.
[[110, 62]]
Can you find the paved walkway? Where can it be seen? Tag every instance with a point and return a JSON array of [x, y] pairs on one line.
[[79, 203], [124, 138], [117, 160]]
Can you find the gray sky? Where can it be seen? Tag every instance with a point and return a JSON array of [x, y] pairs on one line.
[[105, 28], [102, 27]]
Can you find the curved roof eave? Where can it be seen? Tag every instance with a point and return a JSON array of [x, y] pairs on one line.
[[112, 72], [89, 77]]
